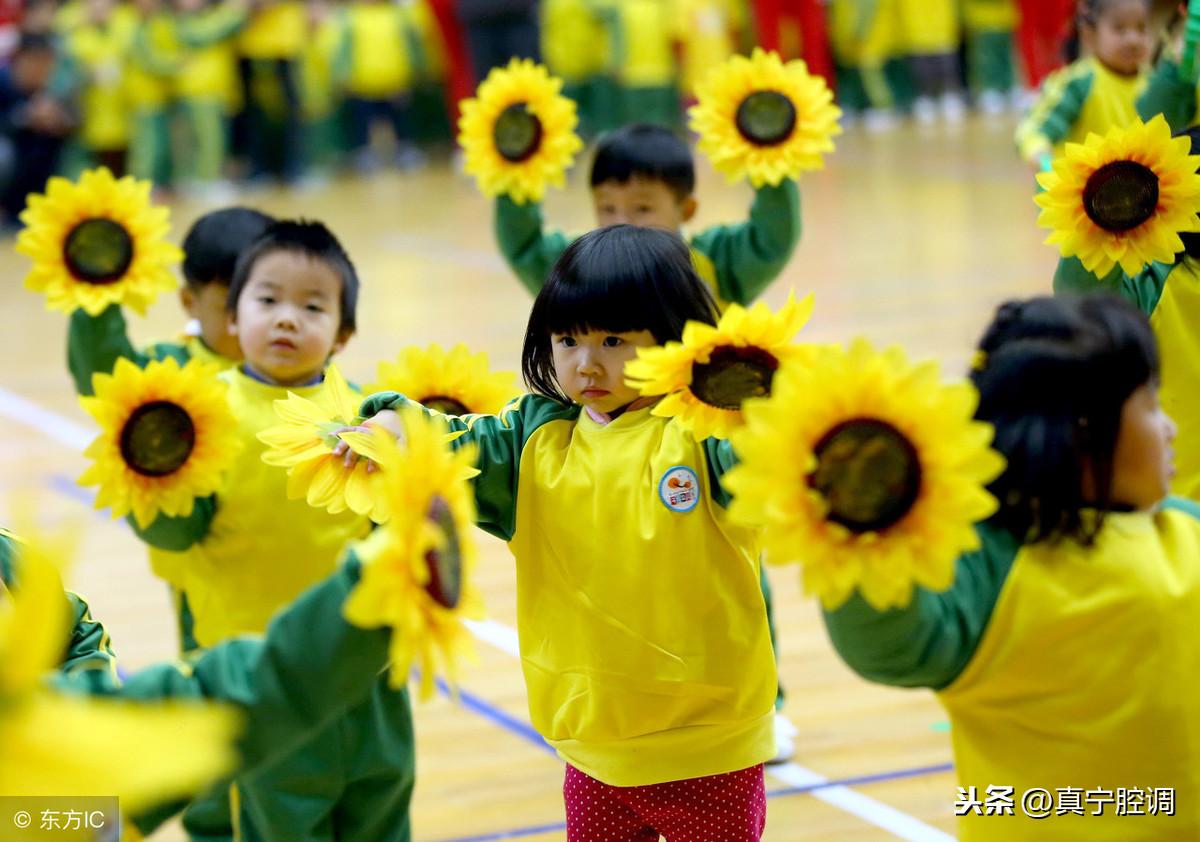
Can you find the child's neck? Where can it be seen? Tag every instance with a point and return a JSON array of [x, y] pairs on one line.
[[604, 419], [254, 374]]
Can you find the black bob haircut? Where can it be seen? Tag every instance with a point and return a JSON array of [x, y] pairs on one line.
[[311, 239], [1054, 377], [645, 151], [216, 240], [620, 279]]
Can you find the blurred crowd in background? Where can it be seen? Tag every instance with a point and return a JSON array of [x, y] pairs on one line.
[[198, 95]]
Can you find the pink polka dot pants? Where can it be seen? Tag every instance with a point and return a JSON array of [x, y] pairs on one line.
[[720, 808]]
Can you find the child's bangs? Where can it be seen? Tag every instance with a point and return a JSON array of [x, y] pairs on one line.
[[614, 302]]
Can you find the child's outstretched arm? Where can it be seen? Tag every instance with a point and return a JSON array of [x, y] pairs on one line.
[[528, 249], [89, 658], [1056, 111], [749, 255], [1170, 95], [1144, 289], [176, 534], [95, 343], [929, 643], [309, 668]]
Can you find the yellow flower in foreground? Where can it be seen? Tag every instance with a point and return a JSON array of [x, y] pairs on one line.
[[454, 383], [867, 470]]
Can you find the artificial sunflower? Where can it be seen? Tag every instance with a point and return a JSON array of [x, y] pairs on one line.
[[304, 444], [167, 435], [417, 568], [764, 119], [518, 132], [454, 383], [52, 744], [97, 242], [866, 469], [1122, 198], [706, 377]]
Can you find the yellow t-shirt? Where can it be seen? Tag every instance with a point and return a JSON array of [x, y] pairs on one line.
[[1081, 99], [1088, 676], [101, 53], [275, 31], [262, 549], [1175, 324], [150, 72], [643, 633], [645, 43], [380, 65], [574, 41]]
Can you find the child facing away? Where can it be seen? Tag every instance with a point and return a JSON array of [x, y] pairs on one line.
[[95, 343], [250, 550], [1169, 295], [645, 175], [1064, 651], [644, 638], [1097, 92]]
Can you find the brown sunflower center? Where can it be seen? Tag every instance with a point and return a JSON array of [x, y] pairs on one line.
[[766, 118], [157, 439], [445, 405], [98, 251], [517, 133], [733, 374], [868, 473], [445, 564], [1121, 195]]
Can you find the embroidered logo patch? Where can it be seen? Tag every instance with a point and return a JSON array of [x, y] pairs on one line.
[[679, 489]]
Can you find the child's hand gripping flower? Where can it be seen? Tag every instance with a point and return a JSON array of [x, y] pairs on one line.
[[708, 376], [96, 242], [417, 567], [866, 470]]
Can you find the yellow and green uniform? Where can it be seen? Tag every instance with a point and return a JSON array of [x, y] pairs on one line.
[[94, 344], [1170, 95], [99, 55], [577, 48], [383, 51], [271, 47], [707, 29], [990, 25], [151, 69], [642, 35], [277, 30], [1060, 666], [927, 27], [1169, 295], [308, 670], [207, 84], [645, 648], [319, 96], [251, 551], [1080, 99], [737, 261], [864, 36]]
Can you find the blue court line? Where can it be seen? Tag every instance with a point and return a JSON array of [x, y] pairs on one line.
[[519, 728]]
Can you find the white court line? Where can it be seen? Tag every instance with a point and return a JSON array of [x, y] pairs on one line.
[[504, 638]]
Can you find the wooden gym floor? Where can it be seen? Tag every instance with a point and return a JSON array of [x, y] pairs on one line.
[[911, 236]]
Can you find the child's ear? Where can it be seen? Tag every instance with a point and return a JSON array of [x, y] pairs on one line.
[[342, 338], [187, 299], [231, 323], [688, 208]]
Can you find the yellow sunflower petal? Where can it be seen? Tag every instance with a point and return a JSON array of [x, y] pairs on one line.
[[97, 242], [455, 382], [894, 523], [1122, 199], [764, 119]]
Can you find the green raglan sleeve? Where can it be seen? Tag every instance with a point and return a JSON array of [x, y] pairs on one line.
[[95, 343], [6, 556], [1169, 95], [1143, 290], [721, 458], [528, 249], [176, 534], [749, 255], [1056, 111], [89, 656], [309, 668], [212, 26], [500, 440], [929, 643]]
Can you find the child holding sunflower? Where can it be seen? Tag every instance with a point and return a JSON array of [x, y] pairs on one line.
[[664, 717], [96, 341], [1039, 647], [251, 548], [1097, 92]]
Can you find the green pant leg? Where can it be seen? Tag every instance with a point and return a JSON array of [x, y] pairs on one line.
[[898, 74], [378, 742], [579, 93], [322, 146], [209, 133], [150, 147], [851, 94], [765, 584], [991, 61], [430, 121], [658, 105], [604, 97]]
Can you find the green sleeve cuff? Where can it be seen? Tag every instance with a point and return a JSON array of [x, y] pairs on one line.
[[1169, 95], [95, 343]]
